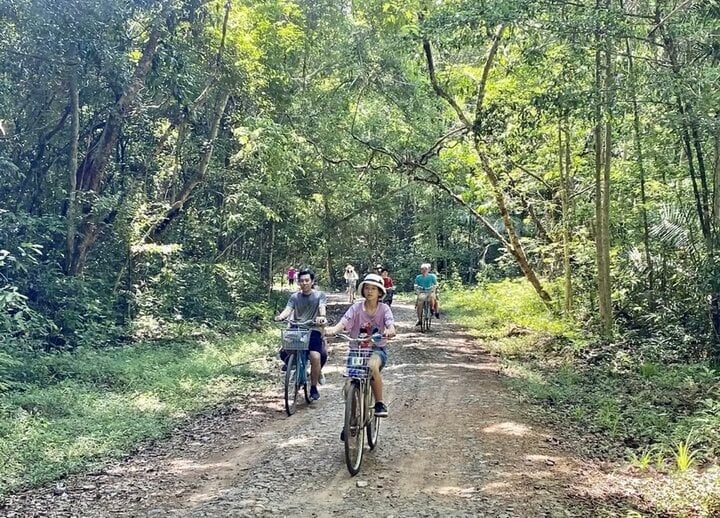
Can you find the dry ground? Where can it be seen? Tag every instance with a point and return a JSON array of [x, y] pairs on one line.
[[457, 443]]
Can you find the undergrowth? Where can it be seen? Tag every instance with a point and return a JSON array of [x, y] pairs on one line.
[[626, 395]]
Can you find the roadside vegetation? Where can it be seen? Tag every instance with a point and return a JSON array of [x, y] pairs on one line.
[[70, 411], [641, 401]]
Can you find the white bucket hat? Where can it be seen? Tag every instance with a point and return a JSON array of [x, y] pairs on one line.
[[374, 280]]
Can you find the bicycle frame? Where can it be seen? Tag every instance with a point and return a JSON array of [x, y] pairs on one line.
[[295, 342], [350, 287], [426, 313], [359, 403]]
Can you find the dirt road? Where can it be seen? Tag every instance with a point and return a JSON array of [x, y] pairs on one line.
[[457, 443]]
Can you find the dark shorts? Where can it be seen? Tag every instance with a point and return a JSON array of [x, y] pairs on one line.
[[316, 344]]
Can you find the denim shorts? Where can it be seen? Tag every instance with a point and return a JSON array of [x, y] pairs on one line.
[[382, 353]]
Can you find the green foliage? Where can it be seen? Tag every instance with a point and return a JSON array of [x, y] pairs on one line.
[[642, 459], [497, 307], [76, 409], [684, 455], [627, 394]]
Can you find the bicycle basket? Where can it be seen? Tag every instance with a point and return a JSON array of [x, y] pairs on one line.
[[296, 339], [356, 362]]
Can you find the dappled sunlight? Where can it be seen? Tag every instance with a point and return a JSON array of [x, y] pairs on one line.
[[508, 428], [496, 488], [148, 402], [189, 466], [303, 440], [442, 366], [463, 492]]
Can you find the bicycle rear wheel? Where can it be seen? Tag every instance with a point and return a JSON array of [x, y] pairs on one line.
[[354, 430], [291, 384]]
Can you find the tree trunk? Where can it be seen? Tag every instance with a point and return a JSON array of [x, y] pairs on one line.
[[601, 172], [182, 197], [609, 87], [639, 160], [270, 258], [515, 248], [716, 191], [92, 169], [564, 168], [688, 127], [72, 168]]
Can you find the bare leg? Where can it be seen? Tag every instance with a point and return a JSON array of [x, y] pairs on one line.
[[314, 368], [376, 383]]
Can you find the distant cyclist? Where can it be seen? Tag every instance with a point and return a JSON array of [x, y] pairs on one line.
[[426, 285], [309, 304], [389, 286], [351, 278]]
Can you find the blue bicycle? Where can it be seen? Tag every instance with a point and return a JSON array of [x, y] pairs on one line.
[[296, 342]]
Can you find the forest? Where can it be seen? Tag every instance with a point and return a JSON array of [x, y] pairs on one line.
[[164, 162]]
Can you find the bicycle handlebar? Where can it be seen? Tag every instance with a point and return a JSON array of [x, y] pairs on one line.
[[376, 338], [297, 322]]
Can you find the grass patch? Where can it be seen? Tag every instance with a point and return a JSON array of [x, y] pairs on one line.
[[71, 410], [661, 416]]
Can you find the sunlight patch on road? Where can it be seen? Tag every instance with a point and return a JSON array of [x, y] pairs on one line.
[[463, 492], [295, 441], [182, 466], [466, 366], [496, 487], [508, 428]]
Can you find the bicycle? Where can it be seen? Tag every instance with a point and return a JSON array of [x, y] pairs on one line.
[[426, 313], [350, 290], [359, 402], [296, 342], [388, 298]]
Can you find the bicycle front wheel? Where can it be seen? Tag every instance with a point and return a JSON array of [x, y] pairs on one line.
[[373, 426], [354, 430], [426, 318], [305, 367], [291, 384]]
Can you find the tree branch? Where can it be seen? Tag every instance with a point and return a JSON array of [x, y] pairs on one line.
[[486, 71], [436, 86]]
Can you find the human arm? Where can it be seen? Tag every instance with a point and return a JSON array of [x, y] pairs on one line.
[[337, 328], [287, 311], [322, 308], [389, 323], [284, 314], [345, 323]]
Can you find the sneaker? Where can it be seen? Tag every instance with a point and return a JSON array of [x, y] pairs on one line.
[[314, 393], [380, 409], [284, 367], [418, 323], [322, 379]]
